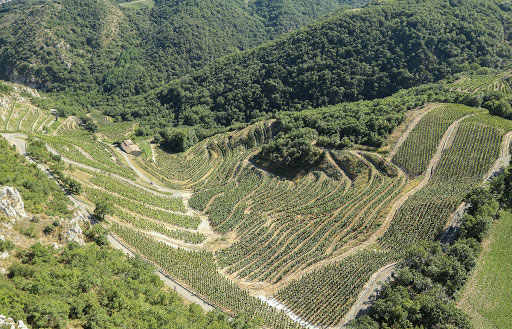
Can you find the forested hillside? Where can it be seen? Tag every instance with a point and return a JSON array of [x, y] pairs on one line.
[[113, 50], [286, 15], [364, 54]]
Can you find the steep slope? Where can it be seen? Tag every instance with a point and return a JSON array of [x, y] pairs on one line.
[[285, 15], [364, 54], [120, 50]]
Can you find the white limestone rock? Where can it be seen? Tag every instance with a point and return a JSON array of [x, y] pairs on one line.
[[11, 203], [6, 322], [73, 231]]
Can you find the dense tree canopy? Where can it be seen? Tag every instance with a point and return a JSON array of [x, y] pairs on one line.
[[364, 54], [92, 287], [112, 55]]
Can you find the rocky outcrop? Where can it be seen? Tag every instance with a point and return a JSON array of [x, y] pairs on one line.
[[9, 323], [73, 231], [11, 203]]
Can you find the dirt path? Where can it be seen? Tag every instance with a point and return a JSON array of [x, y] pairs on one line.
[[18, 140], [204, 226], [138, 171], [452, 228], [364, 300], [504, 158], [410, 128], [121, 178], [369, 293], [20, 122]]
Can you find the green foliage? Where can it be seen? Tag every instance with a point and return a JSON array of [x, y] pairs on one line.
[[51, 227], [71, 185], [98, 288], [40, 194], [97, 234], [36, 148], [4, 89], [88, 124], [498, 103], [6, 245], [294, 150], [178, 139], [353, 55], [285, 15], [102, 209], [501, 187]]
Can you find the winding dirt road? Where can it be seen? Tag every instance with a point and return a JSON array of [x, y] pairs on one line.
[[19, 140]]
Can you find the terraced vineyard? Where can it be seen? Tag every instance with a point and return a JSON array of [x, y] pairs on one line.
[[417, 150], [422, 216], [17, 114], [484, 82], [281, 226], [231, 231]]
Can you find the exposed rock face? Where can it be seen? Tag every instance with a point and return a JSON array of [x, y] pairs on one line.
[[6, 322], [73, 231], [11, 203]]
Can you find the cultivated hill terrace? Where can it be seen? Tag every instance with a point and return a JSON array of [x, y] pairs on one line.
[[237, 234]]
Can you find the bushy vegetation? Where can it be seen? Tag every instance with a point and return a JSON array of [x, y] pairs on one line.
[[4, 88], [92, 287]]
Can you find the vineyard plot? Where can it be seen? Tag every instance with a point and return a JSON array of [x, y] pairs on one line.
[[421, 144], [484, 82], [232, 230]]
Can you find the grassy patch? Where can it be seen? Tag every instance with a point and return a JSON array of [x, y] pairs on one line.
[[147, 152], [486, 296]]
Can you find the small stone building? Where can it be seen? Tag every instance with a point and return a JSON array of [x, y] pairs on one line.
[[131, 148]]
